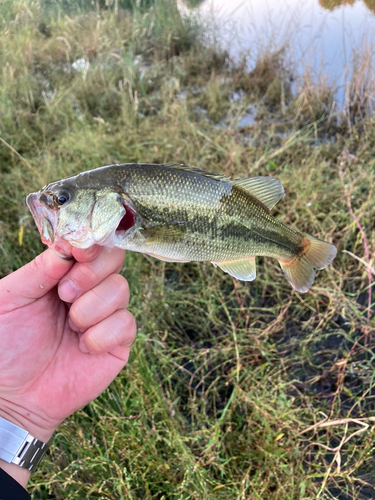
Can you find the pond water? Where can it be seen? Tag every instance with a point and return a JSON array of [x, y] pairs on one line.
[[326, 35]]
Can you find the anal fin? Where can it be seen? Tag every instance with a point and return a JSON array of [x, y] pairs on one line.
[[242, 269]]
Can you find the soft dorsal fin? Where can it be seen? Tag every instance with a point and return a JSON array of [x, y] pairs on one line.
[[265, 189], [195, 170]]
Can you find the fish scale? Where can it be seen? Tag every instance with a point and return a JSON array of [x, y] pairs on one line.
[[178, 213]]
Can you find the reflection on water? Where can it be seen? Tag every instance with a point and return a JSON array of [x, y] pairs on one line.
[[323, 35], [370, 4], [193, 3], [332, 4]]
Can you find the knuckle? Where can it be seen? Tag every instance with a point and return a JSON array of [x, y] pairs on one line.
[[88, 274], [41, 265], [129, 325], [77, 315], [116, 291], [121, 285], [95, 343], [123, 316], [35, 265]]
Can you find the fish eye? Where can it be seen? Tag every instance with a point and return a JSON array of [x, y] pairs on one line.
[[63, 198]]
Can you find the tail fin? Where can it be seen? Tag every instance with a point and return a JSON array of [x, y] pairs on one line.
[[300, 271]]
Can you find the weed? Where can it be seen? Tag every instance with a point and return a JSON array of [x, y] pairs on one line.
[[233, 390], [360, 88], [315, 98]]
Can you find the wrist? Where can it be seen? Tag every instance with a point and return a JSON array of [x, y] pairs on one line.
[[34, 424], [18, 473]]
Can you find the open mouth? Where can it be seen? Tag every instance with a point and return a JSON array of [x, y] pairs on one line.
[[45, 218]]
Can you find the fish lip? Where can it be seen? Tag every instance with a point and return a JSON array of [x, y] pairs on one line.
[[45, 218]]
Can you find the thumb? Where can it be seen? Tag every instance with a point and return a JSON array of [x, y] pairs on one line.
[[32, 281]]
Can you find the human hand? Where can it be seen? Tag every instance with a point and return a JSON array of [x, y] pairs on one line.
[[54, 360]]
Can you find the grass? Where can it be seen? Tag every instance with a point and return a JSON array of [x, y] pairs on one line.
[[233, 390]]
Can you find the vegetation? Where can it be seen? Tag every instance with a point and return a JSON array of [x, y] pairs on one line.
[[332, 4], [234, 390]]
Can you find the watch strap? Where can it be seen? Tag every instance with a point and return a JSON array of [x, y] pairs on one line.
[[18, 447]]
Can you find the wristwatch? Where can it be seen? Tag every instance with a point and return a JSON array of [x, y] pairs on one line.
[[18, 447]]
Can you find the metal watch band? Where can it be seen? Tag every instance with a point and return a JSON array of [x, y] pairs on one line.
[[18, 447]]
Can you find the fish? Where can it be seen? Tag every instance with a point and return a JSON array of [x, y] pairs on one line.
[[178, 213]]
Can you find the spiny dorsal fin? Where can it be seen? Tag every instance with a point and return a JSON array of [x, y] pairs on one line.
[[265, 189], [195, 170]]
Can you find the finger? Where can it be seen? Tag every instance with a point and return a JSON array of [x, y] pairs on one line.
[[121, 352], [100, 302], [74, 327], [117, 330], [88, 254], [86, 275], [33, 280]]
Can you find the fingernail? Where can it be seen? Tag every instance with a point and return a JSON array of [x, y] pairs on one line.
[[90, 251], [83, 347], [67, 291], [86, 254]]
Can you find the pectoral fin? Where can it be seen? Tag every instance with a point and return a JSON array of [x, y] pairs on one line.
[[242, 269], [167, 234], [166, 259]]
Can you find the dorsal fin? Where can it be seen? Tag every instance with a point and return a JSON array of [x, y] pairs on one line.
[[265, 189], [195, 170]]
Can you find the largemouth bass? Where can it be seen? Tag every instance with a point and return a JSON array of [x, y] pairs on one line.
[[177, 213]]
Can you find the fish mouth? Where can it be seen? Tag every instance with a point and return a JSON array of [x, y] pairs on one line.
[[45, 218]]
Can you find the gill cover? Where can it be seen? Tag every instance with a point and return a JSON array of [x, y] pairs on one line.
[[106, 216], [90, 217]]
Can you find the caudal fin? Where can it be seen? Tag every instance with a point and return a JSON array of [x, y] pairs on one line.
[[300, 271]]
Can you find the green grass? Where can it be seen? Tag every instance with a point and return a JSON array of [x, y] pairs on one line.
[[226, 377]]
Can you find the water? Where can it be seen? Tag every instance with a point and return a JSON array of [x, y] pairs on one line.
[[323, 34]]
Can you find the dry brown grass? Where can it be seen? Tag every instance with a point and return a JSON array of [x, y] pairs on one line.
[[360, 86], [234, 390]]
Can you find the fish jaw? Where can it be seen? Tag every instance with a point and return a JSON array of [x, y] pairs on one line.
[[46, 220]]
